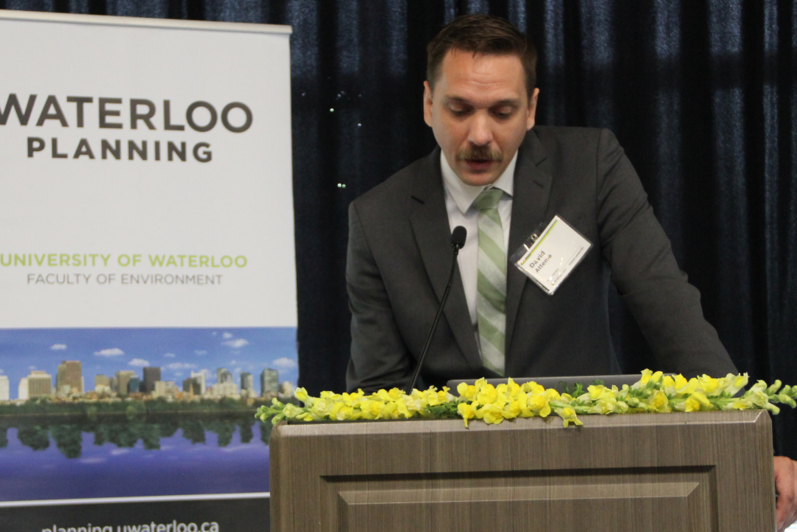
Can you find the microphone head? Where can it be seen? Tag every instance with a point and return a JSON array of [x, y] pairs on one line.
[[458, 237]]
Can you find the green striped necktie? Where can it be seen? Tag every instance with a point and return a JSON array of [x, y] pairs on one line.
[[491, 285]]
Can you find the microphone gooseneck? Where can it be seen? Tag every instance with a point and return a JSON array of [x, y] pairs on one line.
[[458, 237]]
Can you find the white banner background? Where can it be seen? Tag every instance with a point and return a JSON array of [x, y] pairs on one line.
[[239, 204]]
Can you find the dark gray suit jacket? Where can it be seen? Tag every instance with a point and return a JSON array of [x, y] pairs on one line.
[[399, 257]]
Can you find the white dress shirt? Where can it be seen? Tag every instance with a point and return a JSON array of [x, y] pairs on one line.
[[459, 205]]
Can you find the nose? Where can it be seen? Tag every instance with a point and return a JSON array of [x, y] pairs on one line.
[[480, 133]]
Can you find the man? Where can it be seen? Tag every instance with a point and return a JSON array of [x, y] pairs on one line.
[[503, 179], [480, 100]]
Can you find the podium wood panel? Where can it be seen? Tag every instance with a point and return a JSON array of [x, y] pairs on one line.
[[643, 472]]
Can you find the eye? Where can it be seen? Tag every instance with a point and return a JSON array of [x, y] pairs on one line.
[[459, 109], [503, 112]]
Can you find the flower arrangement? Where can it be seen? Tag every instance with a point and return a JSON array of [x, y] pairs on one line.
[[654, 392]]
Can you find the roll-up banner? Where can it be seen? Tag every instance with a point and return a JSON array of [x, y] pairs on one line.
[[147, 273]]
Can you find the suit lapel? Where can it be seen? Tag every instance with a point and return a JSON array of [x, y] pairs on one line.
[[429, 221], [529, 202]]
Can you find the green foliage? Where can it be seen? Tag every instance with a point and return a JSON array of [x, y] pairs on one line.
[[444, 410], [265, 431], [135, 410], [36, 437], [68, 439], [38, 431], [245, 427], [193, 431], [223, 430]]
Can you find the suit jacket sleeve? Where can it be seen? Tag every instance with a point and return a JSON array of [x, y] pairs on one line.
[[379, 357], [646, 274]]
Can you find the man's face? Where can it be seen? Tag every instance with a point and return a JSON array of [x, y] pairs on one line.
[[479, 112]]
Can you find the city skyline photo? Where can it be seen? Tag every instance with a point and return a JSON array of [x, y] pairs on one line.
[[178, 352]]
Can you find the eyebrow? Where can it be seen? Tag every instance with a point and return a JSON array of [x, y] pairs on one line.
[[499, 103]]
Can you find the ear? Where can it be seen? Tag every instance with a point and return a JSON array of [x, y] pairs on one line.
[[532, 109], [427, 103]]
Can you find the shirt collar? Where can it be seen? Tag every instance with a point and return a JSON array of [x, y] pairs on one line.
[[463, 194]]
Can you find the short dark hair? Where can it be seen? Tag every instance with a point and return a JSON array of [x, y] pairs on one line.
[[482, 34]]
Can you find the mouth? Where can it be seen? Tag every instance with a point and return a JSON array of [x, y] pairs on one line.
[[480, 165]]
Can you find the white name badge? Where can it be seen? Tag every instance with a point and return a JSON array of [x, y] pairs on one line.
[[548, 259]]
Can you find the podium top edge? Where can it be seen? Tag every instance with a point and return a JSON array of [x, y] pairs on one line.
[[553, 422], [140, 22]]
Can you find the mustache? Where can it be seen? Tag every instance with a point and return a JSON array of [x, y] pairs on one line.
[[479, 153]]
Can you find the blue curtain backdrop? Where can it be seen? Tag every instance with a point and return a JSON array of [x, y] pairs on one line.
[[700, 93]]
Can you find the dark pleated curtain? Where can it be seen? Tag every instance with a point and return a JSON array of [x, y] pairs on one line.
[[700, 93]]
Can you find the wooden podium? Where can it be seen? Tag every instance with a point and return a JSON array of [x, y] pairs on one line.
[[709, 471]]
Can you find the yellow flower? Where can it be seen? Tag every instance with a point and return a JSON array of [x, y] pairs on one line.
[[500, 400], [648, 379], [513, 389], [403, 410], [443, 395], [388, 411], [551, 395], [466, 411], [395, 393], [532, 387], [466, 391], [607, 406], [301, 394], [320, 409], [364, 407], [539, 405], [292, 411], [487, 394], [758, 398], [696, 402], [375, 408], [383, 395], [430, 397], [708, 384], [492, 414], [733, 383], [568, 415], [522, 400], [344, 412], [537, 402], [680, 381], [660, 403], [511, 410], [595, 392]]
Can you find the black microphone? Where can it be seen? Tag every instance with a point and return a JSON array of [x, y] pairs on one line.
[[458, 238]]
